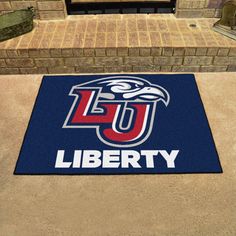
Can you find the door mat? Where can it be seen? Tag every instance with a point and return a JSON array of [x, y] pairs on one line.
[[118, 124]]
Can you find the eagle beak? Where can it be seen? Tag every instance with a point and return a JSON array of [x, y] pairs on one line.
[[150, 93]]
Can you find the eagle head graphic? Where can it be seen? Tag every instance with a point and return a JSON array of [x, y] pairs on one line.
[[128, 88]]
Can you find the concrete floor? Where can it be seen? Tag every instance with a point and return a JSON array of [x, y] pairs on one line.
[[202, 204]]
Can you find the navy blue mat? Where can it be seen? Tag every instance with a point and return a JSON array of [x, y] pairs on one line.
[[118, 124]]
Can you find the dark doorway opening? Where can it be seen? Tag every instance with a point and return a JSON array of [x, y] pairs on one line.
[[81, 8]]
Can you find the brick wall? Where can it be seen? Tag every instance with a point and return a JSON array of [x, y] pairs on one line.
[[45, 9], [43, 61], [55, 9], [199, 8]]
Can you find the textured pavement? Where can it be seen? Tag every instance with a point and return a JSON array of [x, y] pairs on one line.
[[166, 205], [119, 31]]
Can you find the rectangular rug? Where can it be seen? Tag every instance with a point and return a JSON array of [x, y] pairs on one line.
[[118, 124]]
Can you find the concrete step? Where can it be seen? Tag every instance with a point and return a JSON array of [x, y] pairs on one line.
[[119, 43]]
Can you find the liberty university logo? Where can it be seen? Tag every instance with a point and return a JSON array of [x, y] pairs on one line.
[[121, 109]]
